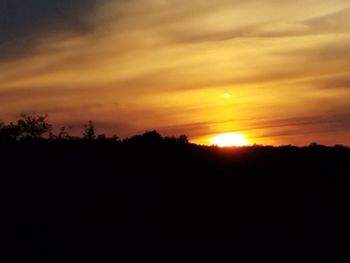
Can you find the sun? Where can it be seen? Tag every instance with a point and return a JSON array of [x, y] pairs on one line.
[[230, 140]]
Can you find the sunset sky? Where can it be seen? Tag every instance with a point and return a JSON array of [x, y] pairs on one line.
[[277, 71]]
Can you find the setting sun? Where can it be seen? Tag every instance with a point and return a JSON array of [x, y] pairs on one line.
[[230, 139]]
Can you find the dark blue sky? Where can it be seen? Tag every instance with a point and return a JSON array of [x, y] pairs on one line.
[[22, 22]]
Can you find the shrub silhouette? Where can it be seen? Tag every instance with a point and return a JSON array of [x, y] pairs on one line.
[[10, 132]]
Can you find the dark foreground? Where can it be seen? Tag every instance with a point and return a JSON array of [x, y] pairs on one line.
[[67, 197]]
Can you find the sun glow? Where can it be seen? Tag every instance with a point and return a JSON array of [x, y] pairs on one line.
[[230, 140]]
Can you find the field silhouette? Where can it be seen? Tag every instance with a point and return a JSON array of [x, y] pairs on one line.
[[64, 193]]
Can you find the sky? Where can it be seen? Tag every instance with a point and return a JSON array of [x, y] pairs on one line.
[[276, 71]]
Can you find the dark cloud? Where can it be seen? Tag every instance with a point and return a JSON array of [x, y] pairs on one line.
[[23, 22], [324, 133], [312, 121], [329, 120]]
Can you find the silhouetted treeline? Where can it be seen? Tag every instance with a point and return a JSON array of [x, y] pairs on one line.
[[65, 195], [36, 127]]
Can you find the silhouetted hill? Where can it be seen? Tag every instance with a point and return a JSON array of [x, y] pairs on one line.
[[64, 195]]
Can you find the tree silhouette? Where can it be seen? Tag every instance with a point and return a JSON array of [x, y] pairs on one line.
[[64, 133], [183, 139], [89, 132], [33, 127], [152, 136]]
